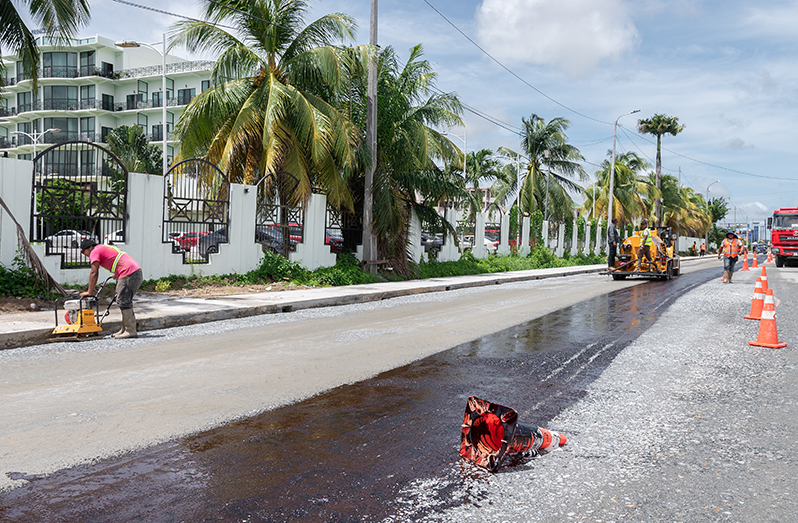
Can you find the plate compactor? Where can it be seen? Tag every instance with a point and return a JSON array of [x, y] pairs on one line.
[[82, 317]]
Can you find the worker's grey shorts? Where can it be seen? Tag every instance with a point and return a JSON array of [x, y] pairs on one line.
[[728, 263], [126, 287]]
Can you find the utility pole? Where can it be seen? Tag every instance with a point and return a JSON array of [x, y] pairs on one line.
[[369, 242], [679, 197]]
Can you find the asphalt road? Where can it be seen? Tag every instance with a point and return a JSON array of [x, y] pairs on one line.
[[670, 415]]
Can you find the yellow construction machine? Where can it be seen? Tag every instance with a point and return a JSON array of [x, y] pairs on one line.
[[82, 316], [664, 262]]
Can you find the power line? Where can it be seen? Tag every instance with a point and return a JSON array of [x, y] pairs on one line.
[[510, 71]]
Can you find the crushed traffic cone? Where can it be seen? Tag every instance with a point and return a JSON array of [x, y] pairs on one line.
[[491, 431], [768, 335], [757, 303], [764, 278], [755, 266], [745, 265]]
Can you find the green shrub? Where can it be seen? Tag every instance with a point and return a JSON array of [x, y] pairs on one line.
[[20, 280]]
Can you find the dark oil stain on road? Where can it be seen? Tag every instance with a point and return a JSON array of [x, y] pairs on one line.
[[381, 448]]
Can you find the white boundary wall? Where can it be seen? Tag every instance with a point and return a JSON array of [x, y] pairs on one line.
[[145, 230]]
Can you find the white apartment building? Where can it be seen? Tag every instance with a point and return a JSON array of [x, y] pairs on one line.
[[90, 87]]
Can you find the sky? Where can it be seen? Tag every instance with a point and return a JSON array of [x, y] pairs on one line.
[[726, 69]]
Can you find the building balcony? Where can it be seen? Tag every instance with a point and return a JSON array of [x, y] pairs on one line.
[[155, 70], [7, 111], [64, 136]]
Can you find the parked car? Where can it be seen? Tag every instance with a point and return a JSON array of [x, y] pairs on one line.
[[116, 236], [209, 243], [335, 240], [432, 242], [272, 239], [491, 245], [68, 238], [762, 249], [187, 240]]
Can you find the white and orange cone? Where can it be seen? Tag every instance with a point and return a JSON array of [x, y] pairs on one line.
[[770, 257], [764, 278], [758, 303], [755, 266], [745, 265], [768, 334]]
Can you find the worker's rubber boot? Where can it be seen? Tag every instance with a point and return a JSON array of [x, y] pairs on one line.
[[129, 321], [725, 276], [120, 331]]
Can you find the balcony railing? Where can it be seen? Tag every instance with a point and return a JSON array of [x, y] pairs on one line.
[[158, 137], [5, 143], [155, 70], [8, 111], [63, 136], [59, 71]]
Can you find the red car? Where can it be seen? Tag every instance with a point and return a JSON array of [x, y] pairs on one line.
[[187, 240]]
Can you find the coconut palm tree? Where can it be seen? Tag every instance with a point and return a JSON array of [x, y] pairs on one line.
[[480, 166], [268, 111], [59, 18], [658, 125], [548, 160], [410, 149], [130, 145], [633, 194]]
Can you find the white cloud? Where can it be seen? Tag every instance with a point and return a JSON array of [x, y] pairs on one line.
[[572, 35]]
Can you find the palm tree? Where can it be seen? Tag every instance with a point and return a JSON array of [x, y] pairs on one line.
[[130, 145], [633, 192], [59, 18], [408, 177], [268, 110], [658, 125], [480, 166], [550, 161]]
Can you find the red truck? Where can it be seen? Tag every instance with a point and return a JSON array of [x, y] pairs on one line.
[[784, 235]]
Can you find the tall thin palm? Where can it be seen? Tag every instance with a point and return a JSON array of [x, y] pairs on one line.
[[59, 18], [658, 125], [268, 110]]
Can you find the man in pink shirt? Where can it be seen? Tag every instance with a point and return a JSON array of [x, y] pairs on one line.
[[128, 276]]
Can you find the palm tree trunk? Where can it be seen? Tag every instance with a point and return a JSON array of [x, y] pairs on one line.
[[31, 259], [659, 171]]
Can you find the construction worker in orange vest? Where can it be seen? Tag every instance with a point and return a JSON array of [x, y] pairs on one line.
[[703, 248], [730, 250]]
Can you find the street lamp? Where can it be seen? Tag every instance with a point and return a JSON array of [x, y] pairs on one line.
[[547, 156], [707, 202], [35, 137], [129, 44], [518, 157], [611, 196]]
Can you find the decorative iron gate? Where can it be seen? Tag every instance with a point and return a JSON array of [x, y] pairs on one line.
[[79, 192], [280, 219], [196, 209], [343, 230]]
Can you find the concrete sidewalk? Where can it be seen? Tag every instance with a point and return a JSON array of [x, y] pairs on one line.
[[161, 311]]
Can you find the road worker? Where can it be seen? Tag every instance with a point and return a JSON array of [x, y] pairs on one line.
[[646, 241], [730, 250]]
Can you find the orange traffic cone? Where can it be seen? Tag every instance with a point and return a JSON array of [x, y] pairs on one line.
[[757, 303], [768, 335], [770, 257], [755, 266], [764, 278], [745, 265]]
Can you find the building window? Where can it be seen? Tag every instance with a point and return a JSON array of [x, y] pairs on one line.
[[108, 102], [24, 102], [59, 65], [156, 99], [87, 64], [87, 129], [206, 84], [104, 132], [157, 133], [68, 130], [87, 97], [107, 69], [25, 127], [184, 96], [60, 98], [24, 157]]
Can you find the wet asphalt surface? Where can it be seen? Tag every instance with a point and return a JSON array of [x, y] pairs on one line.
[[345, 455]]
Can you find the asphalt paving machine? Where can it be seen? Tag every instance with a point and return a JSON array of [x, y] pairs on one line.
[[664, 263]]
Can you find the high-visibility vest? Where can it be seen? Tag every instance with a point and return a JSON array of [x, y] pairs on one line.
[[649, 238], [731, 249], [119, 254]]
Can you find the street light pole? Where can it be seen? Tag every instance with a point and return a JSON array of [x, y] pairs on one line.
[[706, 240], [611, 196], [35, 137], [130, 44]]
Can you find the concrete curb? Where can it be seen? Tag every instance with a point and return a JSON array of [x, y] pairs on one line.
[[36, 336]]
